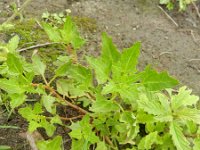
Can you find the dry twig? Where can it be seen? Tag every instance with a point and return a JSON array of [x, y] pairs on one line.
[[194, 59], [168, 16], [196, 8], [163, 53], [36, 46]]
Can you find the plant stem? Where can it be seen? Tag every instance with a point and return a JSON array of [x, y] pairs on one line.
[[54, 77], [68, 119], [71, 52], [60, 97], [73, 106], [109, 142], [45, 81], [92, 97]]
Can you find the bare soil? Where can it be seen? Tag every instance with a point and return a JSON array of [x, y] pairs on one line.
[[164, 45]]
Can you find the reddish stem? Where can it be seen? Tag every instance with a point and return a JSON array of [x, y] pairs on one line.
[[72, 118], [71, 105], [60, 97]]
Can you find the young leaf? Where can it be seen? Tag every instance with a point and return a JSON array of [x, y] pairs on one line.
[[178, 138], [164, 100], [3, 53], [129, 93], [188, 114], [63, 87], [167, 143], [109, 50], [143, 117], [154, 107], [14, 64], [11, 86], [48, 103], [83, 129], [127, 128], [109, 88], [191, 127], [38, 66], [154, 81], [67, 88], [87, 130], [183, 98], [62, 70], [37, 109], [17, 100], [49, 128], [13, 44], [80, 144], [35, 119], [76, 132], [101, 67], [30, 113], [77, 42], [33, 125], [70, 34], [81, 74], [101, 146], [53, 33], [129, 58], [127, 117], [61, 60], [54, 144], [104, 106], [56, 120], [148, 141]]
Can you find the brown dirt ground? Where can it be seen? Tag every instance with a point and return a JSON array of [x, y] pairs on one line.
[[164, 46]]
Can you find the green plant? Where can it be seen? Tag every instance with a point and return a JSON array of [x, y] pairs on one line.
[[118, 106], [182, 3]]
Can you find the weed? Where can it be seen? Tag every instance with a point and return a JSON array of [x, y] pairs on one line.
[[121, 106]]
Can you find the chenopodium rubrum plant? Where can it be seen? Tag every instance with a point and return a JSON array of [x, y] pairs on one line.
[[119, 106]]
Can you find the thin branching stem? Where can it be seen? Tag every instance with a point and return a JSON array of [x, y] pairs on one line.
[[71, 52], [71, 105], [37, 46], [68, 119], [50, 89], [45, 80]]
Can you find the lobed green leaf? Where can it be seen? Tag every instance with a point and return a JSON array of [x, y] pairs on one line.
[[54, 144], [154, 81], [178, 137], [183, 98]]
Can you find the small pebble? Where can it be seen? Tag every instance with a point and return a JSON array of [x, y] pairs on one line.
[[166, 37]]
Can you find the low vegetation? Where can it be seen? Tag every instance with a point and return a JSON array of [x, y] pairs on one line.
[[181, 3], [117, 106]]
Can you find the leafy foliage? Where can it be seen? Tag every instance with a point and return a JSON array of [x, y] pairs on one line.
[[50, 144], [182, 3], [117, 105]]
